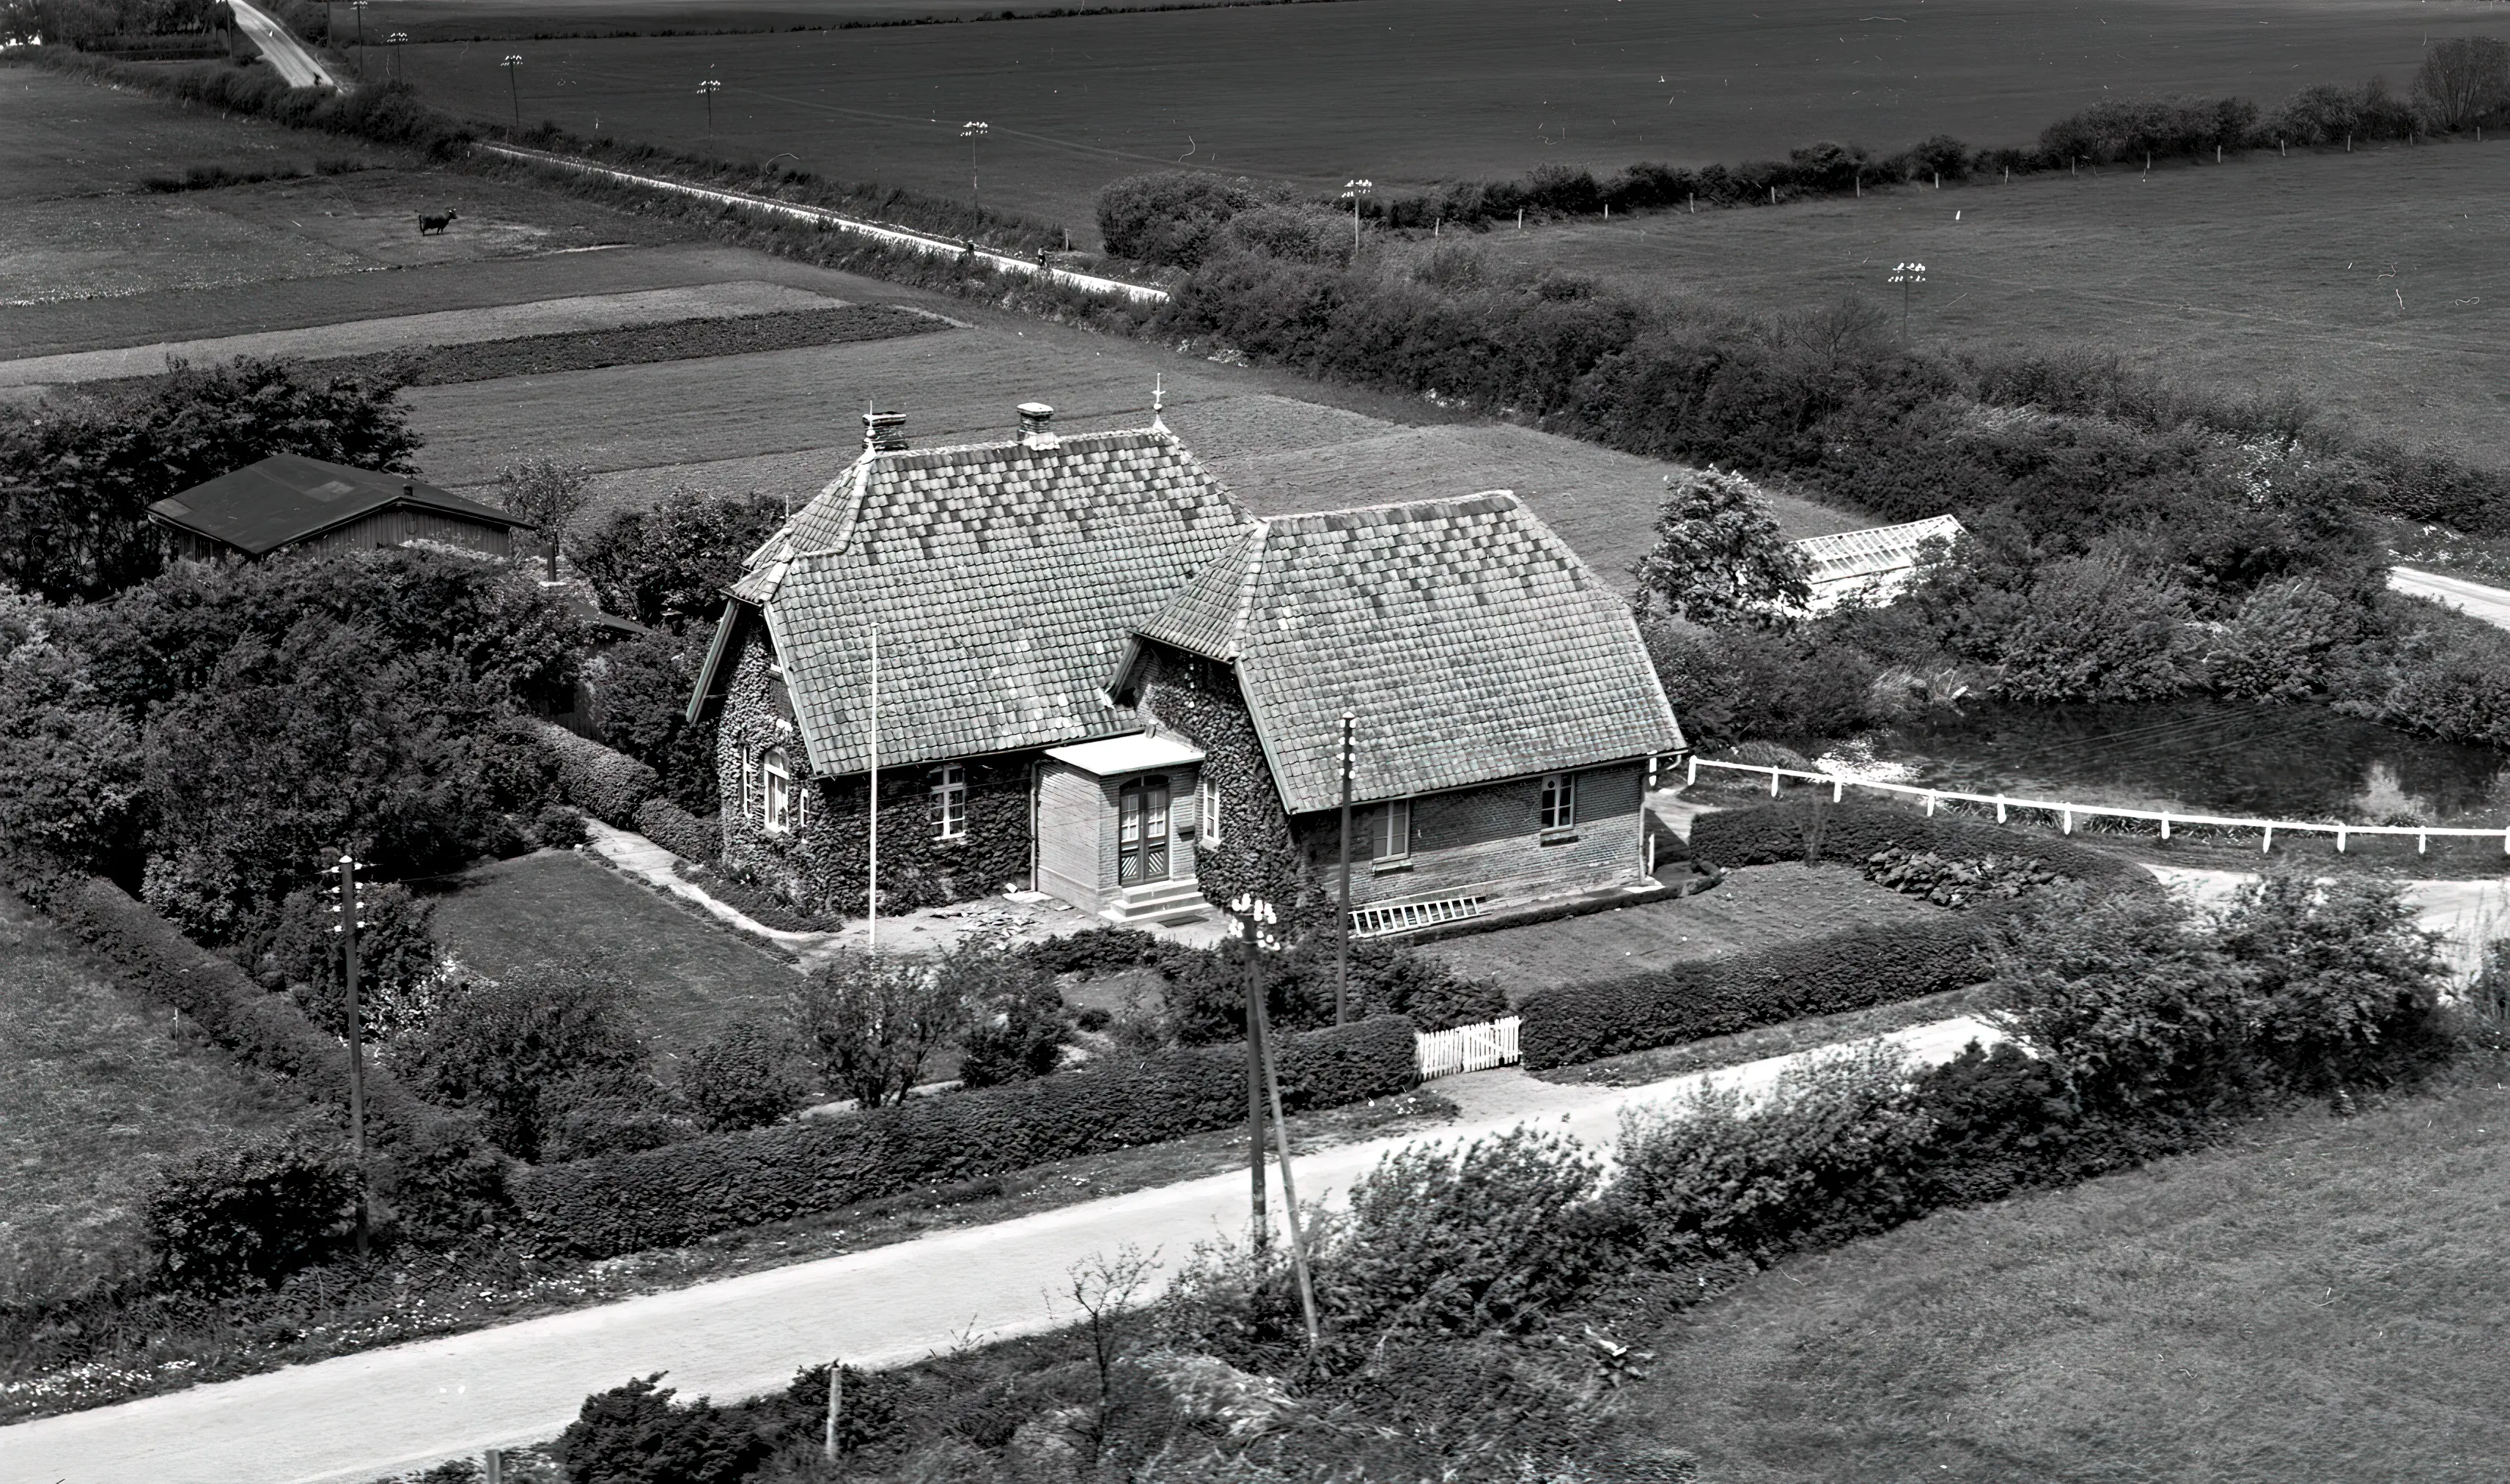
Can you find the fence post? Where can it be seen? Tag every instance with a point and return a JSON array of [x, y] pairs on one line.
[[2000, 809], [2066, 821], [1773, 783], [2339, 839], [1836, 784], [2165, 826], [1930, 802], [495, 1459], [2267, 849], [2423, 843], [1694, 777]]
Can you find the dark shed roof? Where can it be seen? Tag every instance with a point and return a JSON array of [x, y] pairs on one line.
[[287, 498]]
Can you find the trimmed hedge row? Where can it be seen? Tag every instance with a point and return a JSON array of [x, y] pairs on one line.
[[677, 1194], [1850, 832], [679, 831], [1857, 970], [602, 781]]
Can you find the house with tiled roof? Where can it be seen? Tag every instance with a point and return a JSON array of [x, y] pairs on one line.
[[1073, 663]]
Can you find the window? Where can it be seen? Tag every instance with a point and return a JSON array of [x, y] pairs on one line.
[[749, 783], [1390, 832], [950, 802], [1559, 808], [1207, 811], [776, 789]]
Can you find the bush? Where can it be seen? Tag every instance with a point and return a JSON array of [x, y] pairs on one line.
[[632, 1435], [1016, 1026], [725, 1180], [248, 1215], [743, 1079], [398, 968], [2282, 642], [1857, 831], [608, 786], [525, 1052], [678, 831], [1954, 883], [869, 1022], [639, 697], [1863, 967], [666, 565], [1169, 217], [560, 828]]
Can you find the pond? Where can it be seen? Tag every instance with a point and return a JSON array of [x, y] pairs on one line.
[[2287, 762]]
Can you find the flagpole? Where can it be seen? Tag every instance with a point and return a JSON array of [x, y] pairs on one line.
[[871, 889]]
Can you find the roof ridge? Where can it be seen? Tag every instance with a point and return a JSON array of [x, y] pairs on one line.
[[1062, 438], [1483, 502]]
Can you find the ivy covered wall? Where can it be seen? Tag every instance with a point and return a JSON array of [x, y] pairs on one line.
[[1198, 700]]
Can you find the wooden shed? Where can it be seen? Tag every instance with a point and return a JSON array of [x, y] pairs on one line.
[[287, 501]]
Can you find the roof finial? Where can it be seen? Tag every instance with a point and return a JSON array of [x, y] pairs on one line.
[[1159, 402]]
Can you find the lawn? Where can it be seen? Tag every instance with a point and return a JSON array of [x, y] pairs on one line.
[[1751, 908], [693, 977], [99, 1091], [2376, 285], [1409, 91], [2320, 1301]]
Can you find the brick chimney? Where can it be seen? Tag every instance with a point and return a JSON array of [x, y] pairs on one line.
[[884, 432], [1037, 425]]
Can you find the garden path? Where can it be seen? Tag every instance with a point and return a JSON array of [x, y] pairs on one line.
[[350, 1420]]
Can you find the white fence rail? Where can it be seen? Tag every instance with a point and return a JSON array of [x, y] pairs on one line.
[[2064, 815], [913, 241], [1467, 1048]]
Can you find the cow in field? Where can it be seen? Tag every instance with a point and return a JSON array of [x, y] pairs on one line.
[[427, 224]]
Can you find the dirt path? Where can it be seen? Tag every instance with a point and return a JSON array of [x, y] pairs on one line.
[[2491, 604], [449, 326], [348, 1420]]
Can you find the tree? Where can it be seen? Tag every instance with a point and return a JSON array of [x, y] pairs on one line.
[[77, 476], [2344, 979], [640, 697], [1168, 216], [868, 1022], [1720, 558], [668, 565], [548, 493], [69, 765], [2464, 79], [398, 965]]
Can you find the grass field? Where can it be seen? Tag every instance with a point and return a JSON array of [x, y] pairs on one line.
[[61, 136], [1408, 91], [1751, 908], [456, 19], [2320, 1302], [96, 1095], [2377, 284], [693, 977]]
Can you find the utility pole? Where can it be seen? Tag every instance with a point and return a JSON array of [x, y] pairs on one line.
[[1354, 190], [973, 132], [871, 884], [351, 910], [1252, 913], [359, 7], [1908, 276], [709, 87], [1342, 952], [394, 41], [515, 90], [1289, 1188], [836, 1404]]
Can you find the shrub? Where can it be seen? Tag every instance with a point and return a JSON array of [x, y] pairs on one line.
[[1094, 951], [250, 1214], [1864, 965], [870, 1021], [524, 1051], [678, 831], [606, 784], [1016, 1026], [1169, 217], [1206, 989], [666, 565], [397, 959], [1857, 831], [1954, 883], [560, 828], [70, 770], [639, 697], [724, 1181], [1733, 685], [2280, 644], [2094, 629], [634, 1434], [743, 1079]]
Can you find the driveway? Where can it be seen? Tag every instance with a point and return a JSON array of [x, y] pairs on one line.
[[350, 1420], [2491, 604]]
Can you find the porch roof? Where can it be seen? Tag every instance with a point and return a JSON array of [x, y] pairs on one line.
[[1138, 753]]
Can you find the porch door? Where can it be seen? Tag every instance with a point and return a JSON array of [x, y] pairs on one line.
[[1142, 832]]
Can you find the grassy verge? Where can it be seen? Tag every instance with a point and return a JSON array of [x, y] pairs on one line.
[[346, 1309], [2314, 1300], [99, 1090]]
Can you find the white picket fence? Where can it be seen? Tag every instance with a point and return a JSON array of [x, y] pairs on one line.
[[1467, 1048], [2064, 815]]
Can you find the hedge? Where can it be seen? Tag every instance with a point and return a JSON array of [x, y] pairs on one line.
[[604, 783], [679, 831], [1850, 832], [1863, 967], [669, 1195]]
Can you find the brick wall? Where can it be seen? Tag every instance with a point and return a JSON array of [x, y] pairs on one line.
[[1489, 841], [822, 867]]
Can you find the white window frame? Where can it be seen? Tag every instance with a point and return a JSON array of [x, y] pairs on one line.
[[1555, 808], [1390, 834], [747, 760], [949, 807], [1206, 834], [779, 809]]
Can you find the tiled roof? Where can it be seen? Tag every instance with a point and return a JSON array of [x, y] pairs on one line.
[[288, 498], [1003, 578], [1469, 642]]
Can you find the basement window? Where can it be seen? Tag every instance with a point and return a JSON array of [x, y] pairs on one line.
[[949, 808]]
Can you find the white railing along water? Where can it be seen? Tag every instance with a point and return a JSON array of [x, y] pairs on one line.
[[1467, 1048], [926, 242], [2064, 813]]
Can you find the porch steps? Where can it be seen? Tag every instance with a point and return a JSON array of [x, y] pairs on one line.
[[1167, 903]]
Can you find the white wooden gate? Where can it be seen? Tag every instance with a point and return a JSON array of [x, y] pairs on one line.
[[1467, 1048]]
